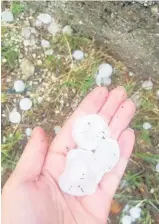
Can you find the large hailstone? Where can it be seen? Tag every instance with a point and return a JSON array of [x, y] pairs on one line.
[[19, 86], [14, 117], [88, 130], [25, 104], [78, 178], [103, 74]]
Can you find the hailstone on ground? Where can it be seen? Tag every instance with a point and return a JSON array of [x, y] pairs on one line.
[[126, 219], [28, 132], [14, 117], [147, 85], [19, 86], [135, 213], [95, 155], [103, 74], [147, 126], [78, 55], [25, 104]]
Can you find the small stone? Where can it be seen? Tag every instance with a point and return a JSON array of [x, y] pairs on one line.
[[27, 68], [26, 32], [147, 126], [126, 219], [28, 132], [14, 117], [57, 129], [19, 86], [131, 74], [45, 44], [25, 104], [4, 139], [157, 167], [135, 213], [49, 52], [67, 30], [39, 62], [152, 190], [78, 55], [154, 10], [6, 16], [44, 18], [147, 85], [54, 28], [157, 94], [38, 23], [40, 99]]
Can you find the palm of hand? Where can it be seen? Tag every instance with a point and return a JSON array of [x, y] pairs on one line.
[[32, 195]]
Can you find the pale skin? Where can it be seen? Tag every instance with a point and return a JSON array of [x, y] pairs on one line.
[[32, 196]]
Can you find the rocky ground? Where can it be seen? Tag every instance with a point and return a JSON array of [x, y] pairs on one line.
[[40, 52]]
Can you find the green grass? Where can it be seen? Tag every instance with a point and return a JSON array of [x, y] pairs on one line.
[[17, 7], [10, 55]]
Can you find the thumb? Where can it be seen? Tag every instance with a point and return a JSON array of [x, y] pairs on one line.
[[31, 162]]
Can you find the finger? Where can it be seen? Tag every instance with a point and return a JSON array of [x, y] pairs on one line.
[[31, 162], [90, 105], [111, 180], [122, 118], [115, 98]]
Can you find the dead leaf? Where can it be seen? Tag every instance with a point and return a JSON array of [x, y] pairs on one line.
[[115, 207]]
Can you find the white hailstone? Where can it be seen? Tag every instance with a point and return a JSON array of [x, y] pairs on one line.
[[78, 55], [14, 117], [157, 167], [88, 130], [105, 70], [135, 213], [45, 44], [147, 126], [26, 32], [19, 86], [126, 219], [25, 104], [147, 85], [44, 18], [126, 208], [67, 30], [7, 16], [38, 23], [54, 28], [57, 129], [28, 132], [152, 189], [157, 94], [100, 81], [49, 52]]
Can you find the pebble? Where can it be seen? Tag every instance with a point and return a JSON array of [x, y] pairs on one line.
[[7, 16], [137, 99], [19, 86], [54, 28], [28, 131], [78, 55], [26, 32], [157, 94], [39, 62], [14, 117], [40, 99], [44, 18], [45, 44], [152, 189], [57, 129], [135, 213], [131, 74], [147, 85], [27, 68], [147, 126], [67, 30], [126, 219], [25, 104], [155, 10], [4, 139], [49, 52], [157, 167]]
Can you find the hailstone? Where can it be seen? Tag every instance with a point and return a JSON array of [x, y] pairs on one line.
[[25, 104], [19, 86], [78, 55], [14, 117]]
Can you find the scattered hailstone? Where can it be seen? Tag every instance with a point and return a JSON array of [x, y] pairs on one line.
[[135, 213], [147, 85], [57, 129], [84, 133], [44, 18], [25, 104], [45, 44], [126, 219], [28, 132], [14, 117], [19, 86], [67, 30], [157, 167], [54, 28], [78, 55], [147, 126], [7, 16], [103, 74]]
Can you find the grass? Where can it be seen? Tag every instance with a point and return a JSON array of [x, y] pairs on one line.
[[17, 7], [10, 55]]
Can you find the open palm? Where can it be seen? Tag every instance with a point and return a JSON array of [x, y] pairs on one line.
[[32, 195]]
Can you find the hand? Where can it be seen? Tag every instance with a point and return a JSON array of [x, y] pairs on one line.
[[32, 196]]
